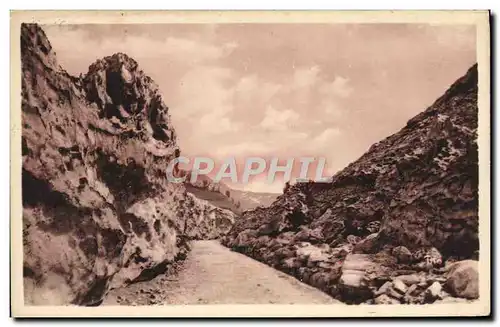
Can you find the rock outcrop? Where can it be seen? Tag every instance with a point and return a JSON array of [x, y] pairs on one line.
[[407, 206], [98, 210]]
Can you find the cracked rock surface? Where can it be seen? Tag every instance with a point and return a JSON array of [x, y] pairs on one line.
[[98, 211]]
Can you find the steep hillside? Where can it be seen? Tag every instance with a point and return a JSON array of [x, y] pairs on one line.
[[409, 204], [98, 211], [223, 196], [251, 200]]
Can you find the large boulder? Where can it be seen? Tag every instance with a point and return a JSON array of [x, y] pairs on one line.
[[361, 274], [463, 279], [369, 244], [245, 239]]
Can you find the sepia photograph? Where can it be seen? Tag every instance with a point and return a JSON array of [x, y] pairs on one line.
[[293, 164]]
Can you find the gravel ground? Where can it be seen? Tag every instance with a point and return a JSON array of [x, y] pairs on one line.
[[212, 274]]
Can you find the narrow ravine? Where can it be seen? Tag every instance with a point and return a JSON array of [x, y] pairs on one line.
[[212, 274]]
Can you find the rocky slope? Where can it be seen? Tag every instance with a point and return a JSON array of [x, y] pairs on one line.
[[98, 211], [407, 207], [252, 200], [223, 196]]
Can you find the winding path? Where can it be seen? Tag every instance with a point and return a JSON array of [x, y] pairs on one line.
[[212, 274]]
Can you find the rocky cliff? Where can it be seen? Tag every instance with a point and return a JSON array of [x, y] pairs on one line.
[[98, 210], [408, 205]]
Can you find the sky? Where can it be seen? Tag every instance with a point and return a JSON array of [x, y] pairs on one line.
[[282, 90]]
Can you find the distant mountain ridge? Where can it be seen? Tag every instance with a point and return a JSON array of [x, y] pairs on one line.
[[223, 196]]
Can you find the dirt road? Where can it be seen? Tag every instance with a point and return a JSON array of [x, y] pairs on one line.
[[212, 274]]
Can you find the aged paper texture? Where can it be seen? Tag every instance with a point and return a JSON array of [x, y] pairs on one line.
[[250, 164]]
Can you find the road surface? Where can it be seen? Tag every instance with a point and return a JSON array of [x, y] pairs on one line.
[[212, 274]]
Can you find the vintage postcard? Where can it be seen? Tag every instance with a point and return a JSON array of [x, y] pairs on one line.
[[250, 164]]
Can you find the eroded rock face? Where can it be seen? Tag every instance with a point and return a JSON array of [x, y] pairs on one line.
[[98, 210], [416, 191]]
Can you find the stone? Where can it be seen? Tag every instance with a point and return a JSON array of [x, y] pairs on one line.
[[302, 236], [463, 279], [439, 279], [291, 263], [353, 287], [265, 229], [262, 241], [324, 265], [424, 266], [324, 247], [352, 278], [393, 293], [385, 299], [284, 253], [274, 245], [411, 289], [286, 238], [361, 262], [358, 275], [316, 234], [410, 279], [384, 288], [414, 299], [423, 284], [399, 286], [302, 271], [444, 294], [402, 254], [433, 292], [310, 264], [341, 251], [306, 275], [367, 245], [312, 254], [409, 295], [320, 280], [245, 239], [353, 239]]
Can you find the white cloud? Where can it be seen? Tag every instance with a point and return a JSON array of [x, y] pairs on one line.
[[242, 148], [279, 120], [338, 87], [214, 123], [252, 89], [261, 184], [201, 91], [331, 109], [181, 51], [191, 51], [305, 77], [326, 136]]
